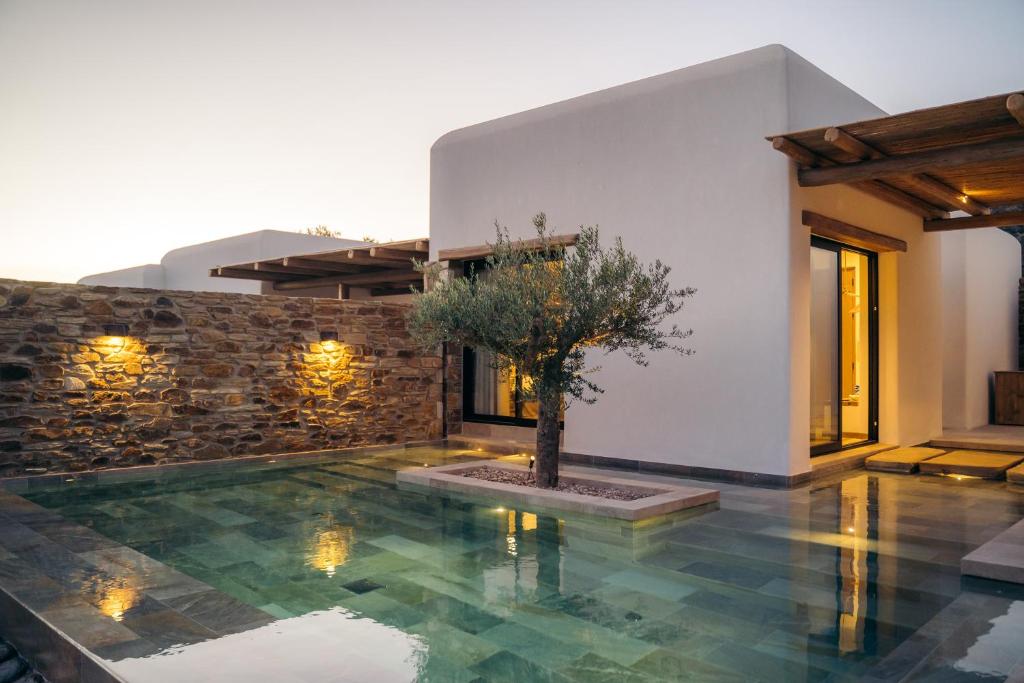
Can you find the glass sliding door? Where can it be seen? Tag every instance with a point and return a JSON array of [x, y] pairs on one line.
[[843, 347], [824, 350]]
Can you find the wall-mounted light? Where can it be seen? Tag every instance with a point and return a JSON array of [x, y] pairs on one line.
[[116, 335], [329, 340]]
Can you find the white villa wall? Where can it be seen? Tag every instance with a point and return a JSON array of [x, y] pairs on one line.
[[980, 275], [676, 165], [188, 268]]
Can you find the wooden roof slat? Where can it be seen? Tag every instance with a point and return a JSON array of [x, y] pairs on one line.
[[1015, 105], [953, 200], [875, 188], [918, 162], [995, 220], [966, 156]]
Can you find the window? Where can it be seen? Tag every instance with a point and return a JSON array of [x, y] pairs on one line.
[[493, 395]]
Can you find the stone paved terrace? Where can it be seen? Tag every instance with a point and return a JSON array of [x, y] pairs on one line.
[[331, 573]]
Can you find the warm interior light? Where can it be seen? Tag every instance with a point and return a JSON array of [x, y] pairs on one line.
[[329, 346]]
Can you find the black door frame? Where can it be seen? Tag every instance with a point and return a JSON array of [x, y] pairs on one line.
[[837, 248]]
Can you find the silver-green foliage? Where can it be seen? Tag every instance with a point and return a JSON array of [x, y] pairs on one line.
[[539, 310]]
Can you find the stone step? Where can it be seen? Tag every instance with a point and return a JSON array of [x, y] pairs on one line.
[[1015, 475], [902, 460], [1001, 558], [985, 464]]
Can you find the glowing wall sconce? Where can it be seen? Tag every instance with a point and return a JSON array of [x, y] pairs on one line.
[[115, 335], [329, 340]]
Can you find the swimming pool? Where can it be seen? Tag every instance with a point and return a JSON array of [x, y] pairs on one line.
[[322, 570]]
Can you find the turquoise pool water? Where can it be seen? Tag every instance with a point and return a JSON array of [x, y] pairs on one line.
[[337, 575]]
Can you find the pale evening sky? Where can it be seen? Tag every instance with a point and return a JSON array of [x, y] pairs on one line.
[[131, 127]]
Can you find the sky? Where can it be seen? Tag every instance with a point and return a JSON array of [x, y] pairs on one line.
[[132, 127]]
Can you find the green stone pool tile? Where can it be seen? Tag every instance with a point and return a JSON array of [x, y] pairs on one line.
[[464, 649], [436, 668], [729, 573], [638, 602], [779, 550], [762, 666], [801, 649], [462, 615], [537, 647], [592, 668], [168, 628], [275, 610], [209, 511], [751, 608], [721, 626], [406, 592], [382, 609], [213, 555], [912, 611], [506, 667], [615, 646], [414, 550], [363, 474], [676, 632], [653, 581], [666, 665], [455, 587]]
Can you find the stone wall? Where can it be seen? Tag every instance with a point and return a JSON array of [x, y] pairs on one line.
[[201, 376]]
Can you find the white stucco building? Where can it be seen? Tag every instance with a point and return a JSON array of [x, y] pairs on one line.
[[188, 268], [678, 166]]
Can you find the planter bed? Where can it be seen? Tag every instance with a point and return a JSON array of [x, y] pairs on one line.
[[649, 499]]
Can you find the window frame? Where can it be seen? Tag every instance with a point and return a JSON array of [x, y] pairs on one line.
[[469, 413]]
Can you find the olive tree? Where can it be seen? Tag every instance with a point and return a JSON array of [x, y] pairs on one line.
[[538, 306]]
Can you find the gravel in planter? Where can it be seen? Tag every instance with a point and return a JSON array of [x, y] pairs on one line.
[[503, 476]]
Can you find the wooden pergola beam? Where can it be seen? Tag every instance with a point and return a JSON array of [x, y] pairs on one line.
[[485, 250], [1015, 105], [875, 188], [246, 274], [913, 163], [320, 264], [265, 267], [834, 229], [396, 254], [363, 257], [951, 198], [995, 220], [381, 277]]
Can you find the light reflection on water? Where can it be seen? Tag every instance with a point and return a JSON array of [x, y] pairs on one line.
[[328, 646]]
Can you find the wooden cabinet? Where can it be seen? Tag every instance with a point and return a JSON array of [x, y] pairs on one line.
[[1009, 398]]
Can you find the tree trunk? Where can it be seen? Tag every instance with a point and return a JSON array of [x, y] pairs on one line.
[[547, 440]]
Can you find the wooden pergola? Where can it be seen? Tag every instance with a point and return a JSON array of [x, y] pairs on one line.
[[957, 166], [384, 269]]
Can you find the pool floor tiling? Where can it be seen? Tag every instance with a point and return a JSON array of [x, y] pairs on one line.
[[322, 570]]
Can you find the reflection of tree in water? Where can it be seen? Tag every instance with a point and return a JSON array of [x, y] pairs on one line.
[[549, 553]]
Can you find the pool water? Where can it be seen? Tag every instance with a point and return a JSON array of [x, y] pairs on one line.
[[337, 575]]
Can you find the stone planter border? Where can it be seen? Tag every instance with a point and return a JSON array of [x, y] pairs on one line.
[[665, 498]]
